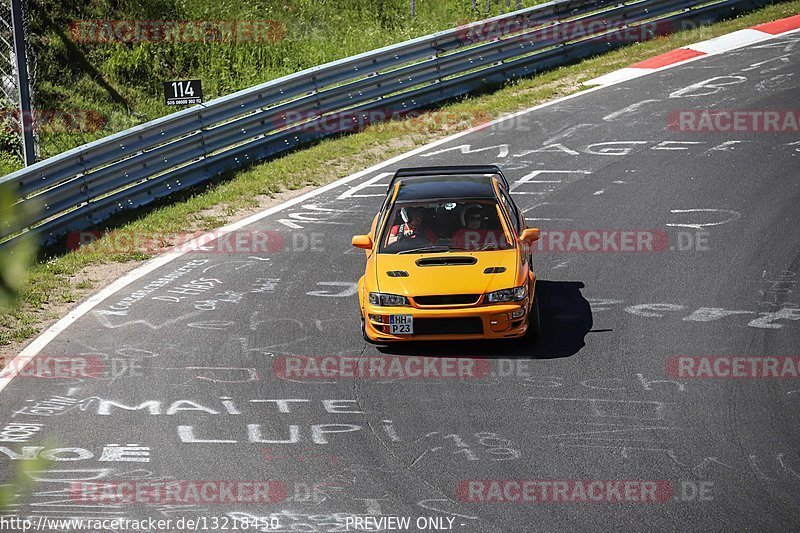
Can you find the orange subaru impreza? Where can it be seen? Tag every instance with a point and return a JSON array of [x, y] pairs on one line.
[[448, 258]]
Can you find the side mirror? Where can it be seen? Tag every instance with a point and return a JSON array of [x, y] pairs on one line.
[[530, 235], [362, 241]]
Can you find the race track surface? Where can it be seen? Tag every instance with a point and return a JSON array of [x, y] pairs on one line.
[[190, 354]]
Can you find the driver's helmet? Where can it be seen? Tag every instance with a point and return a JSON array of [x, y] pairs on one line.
[[470, 208], [406, 213]]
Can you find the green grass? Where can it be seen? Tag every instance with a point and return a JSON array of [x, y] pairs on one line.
[[9, 163], [123, 81], [50, 282]]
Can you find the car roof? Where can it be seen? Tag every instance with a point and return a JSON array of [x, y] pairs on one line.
[[445, 188], [454, 171]]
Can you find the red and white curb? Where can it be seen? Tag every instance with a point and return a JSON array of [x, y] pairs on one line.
[[717, 45]]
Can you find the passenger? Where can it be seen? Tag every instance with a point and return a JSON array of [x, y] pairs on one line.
[[412, 227], [474, 236]]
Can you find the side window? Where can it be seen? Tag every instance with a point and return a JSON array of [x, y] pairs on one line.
[[511, 209]]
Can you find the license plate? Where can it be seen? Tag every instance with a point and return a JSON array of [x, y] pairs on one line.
[[401, 324]]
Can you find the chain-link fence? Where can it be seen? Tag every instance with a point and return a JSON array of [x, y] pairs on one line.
[[12, 123]]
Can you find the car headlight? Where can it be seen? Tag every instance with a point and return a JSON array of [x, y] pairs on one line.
[[387, 300], [508, 295]]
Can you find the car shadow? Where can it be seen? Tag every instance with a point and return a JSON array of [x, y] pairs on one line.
[[566, 318]]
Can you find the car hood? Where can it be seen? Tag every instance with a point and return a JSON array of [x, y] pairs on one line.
[[446, 273]]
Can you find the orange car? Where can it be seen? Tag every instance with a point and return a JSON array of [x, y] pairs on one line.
[[448, 257]]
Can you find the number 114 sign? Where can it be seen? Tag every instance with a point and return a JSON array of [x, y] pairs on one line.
[[184, 92]]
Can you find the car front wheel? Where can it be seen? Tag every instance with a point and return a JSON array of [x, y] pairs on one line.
[[364, 332]]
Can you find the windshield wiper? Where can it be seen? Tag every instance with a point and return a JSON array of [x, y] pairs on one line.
[[426, 249], [490, 246]]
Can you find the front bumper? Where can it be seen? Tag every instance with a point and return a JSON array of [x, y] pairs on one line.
[[492, 321]]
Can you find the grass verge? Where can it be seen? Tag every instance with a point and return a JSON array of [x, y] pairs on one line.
[[56, 284], [106, 79]]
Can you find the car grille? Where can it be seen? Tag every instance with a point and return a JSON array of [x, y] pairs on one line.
[[448, 326], [448, 299]]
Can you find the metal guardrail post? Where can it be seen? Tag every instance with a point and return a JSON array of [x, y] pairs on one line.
[[21, 60]]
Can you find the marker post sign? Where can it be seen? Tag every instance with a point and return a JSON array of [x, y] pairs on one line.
[[185, 92]]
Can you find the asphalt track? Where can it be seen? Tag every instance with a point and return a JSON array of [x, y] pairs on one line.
[[592, 400]]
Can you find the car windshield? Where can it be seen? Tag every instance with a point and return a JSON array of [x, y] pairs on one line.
[[431, 227]]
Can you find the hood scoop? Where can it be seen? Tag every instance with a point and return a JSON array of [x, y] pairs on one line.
[[446, 261], [397, 273], [494, 270]]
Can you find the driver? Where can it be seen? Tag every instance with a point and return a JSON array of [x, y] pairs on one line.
[[474, 236], [413, 226]]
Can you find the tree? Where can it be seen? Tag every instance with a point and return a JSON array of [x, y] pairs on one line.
[[16, 256], [23, 480]]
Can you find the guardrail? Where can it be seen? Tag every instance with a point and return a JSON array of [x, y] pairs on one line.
[[84, 186]]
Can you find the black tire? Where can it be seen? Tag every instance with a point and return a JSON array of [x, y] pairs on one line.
[[364, 333]]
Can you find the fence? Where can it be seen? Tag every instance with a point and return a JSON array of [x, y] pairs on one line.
[[86, 185], [18, 133]]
